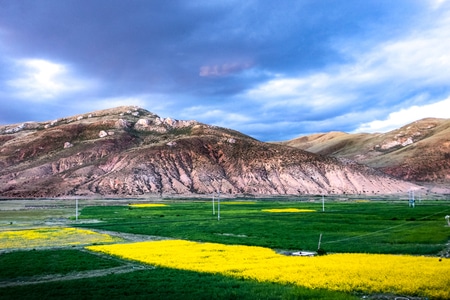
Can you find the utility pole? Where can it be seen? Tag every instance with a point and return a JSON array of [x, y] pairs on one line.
[[320, 240], [76, 210], [411, 198], [218, 207]]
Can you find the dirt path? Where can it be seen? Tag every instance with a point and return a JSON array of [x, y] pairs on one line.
[[72, 276], [131, 237], [127, 268]]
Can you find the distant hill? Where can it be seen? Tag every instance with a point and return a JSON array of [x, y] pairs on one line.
[[418, 152], [129, 151]]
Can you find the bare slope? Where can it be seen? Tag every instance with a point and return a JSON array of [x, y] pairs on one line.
[[128, 151], [419, 151]]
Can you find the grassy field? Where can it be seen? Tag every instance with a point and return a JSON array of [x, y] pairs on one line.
[[46, 262], [356, 226], [367, 227], [164, 283]]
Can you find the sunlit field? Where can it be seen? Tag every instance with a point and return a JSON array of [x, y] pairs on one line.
[[51, 237], [240, 249], [146, 205], [410, 275]]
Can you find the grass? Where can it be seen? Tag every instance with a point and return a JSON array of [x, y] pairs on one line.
[[367, 227], [349, 272], [44, 262], [52, 236], [164, 283]]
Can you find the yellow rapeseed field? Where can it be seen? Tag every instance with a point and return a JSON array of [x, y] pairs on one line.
[[144, 205], [289, 210], [371, 273], [51, 237]]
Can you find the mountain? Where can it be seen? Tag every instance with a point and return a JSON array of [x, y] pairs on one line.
[[418, 152], [129, 151]]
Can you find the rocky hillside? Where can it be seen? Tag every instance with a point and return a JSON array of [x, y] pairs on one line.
[[418, 152], [128, 151]]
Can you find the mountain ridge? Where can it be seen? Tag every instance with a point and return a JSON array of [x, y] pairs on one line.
[[129, 151], [418, 151]]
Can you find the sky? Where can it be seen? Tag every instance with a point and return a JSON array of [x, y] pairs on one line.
[[274, 70]]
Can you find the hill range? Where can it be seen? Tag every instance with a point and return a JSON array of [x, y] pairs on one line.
[[418, 152], [131, 152]]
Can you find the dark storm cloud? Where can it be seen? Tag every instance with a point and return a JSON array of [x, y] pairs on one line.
[[165, 45]]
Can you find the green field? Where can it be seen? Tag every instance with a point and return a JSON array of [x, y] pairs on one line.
[[46, 262], [367, 227], [345, 226], [163, 283]]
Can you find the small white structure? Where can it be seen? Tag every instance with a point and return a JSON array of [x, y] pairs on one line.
[[304, 253], [447, 217]]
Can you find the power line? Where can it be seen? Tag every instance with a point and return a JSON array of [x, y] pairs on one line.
[[381, 230]]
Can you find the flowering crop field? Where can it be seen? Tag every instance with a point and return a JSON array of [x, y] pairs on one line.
[[372, 273], [146, 205], [51, 237], [237, 249]]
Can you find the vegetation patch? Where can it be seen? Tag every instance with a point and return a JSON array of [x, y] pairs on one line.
[[374, 227], [410, 275], [287, 210], [252, 272], [146, 205], [19, 264], [237, 202], [52, 237], [166, 283]]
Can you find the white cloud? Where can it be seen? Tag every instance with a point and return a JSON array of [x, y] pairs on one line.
[[387, 77], [402, 117], [435, 4], [40, 80], [316, 92], [217, 117], [115, 102]]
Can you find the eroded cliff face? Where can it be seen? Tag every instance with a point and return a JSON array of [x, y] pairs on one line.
[[128, 151]]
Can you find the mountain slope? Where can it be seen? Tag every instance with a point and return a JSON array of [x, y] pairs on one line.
[[128, 151], [418, 152]]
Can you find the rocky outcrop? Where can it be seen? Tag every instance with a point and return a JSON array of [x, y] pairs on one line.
[[129, 151]]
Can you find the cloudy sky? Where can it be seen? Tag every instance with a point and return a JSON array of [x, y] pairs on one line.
[[274, 70]]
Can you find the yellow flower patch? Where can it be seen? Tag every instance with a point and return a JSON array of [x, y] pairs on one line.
[[144, 205], [287, 210], [371, 273], [51, 237]]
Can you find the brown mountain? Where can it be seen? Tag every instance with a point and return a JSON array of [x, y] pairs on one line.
[[128, 151], [418, 152]]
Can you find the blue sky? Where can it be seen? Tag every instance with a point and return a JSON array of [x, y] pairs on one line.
[[274, 70]]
